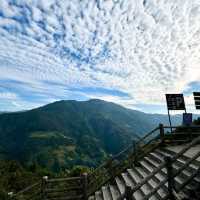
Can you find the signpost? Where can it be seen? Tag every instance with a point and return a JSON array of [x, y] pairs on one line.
[[175, 102], [197, 99]]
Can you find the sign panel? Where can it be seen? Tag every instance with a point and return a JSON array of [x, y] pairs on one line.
[[187, 119], [196, 94], [197, 103], [175, 102], [197, 99]]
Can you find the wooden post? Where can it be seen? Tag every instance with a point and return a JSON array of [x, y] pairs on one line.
[[162, 133], [10, 195], [43, 187], [170, 177], [128, 192], [135, 152], [85, 185]]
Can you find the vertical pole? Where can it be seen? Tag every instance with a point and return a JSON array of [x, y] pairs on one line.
[[43, 187], [128, 192], [85, 185], [135, 153], [110, 167], [170, 122], [162, 133], [170, 177]]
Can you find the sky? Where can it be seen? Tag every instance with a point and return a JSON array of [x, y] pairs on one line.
[[130, 52]]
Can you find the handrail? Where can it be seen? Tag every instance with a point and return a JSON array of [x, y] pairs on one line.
[[128, 148], [147, 135], [27, 189], [93, 177], [64, 179], [182, 126]]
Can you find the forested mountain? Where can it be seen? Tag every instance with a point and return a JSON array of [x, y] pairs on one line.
[[67, 133]]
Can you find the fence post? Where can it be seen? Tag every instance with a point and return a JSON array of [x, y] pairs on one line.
[[10, 195], [162, 133], [85, 185], [135, 153], [128, 192], [43, 187], [170, 177]]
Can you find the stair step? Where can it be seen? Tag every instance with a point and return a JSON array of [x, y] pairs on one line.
[[139, 194], [145, 188], [114, 192], [182, 195], [162, 192], [106, 193], [120, 185], [158, 177], [91, 198], [128, 181], [98, 195], [151, 164], [149, 185]]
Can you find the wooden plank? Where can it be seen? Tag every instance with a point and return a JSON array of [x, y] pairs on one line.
[[64, 179]]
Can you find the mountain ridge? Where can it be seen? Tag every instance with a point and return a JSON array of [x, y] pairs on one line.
[[68, 132]]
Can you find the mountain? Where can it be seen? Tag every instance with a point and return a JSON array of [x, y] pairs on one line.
[[68, 133]]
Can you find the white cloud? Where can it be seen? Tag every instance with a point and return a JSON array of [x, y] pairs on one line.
[[8, 95], [144, 48]]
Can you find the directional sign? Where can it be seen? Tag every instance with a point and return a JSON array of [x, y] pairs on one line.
[[197, 99], [175, 102]]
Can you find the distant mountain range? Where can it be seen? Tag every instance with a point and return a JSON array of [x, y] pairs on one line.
[[67, 133]]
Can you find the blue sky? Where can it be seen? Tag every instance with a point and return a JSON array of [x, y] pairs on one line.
[[124, 51]]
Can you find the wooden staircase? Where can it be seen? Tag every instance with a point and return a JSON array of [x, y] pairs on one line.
[[135, 175], [161, 165]]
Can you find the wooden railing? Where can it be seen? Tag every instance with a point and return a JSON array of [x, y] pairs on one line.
[[84, 186], [54, 189], [32, 192], [68, 188], [118, 163]]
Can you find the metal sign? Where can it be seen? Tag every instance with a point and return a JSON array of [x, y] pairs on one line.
[[197, 99], [175, 102], [187, 119]]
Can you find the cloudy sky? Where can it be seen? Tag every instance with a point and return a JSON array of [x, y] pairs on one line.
[[130, 52]]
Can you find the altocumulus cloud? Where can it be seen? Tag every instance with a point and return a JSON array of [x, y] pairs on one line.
[[59, 49]]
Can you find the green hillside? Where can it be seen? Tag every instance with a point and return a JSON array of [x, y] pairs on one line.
[[67, 133]]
